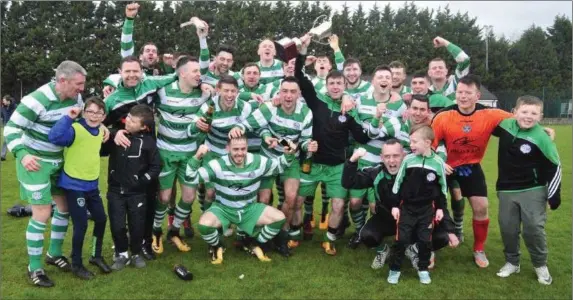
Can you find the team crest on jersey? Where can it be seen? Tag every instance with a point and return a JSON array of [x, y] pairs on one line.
[[252, 174], [431, 177], [36, 195], [238, 119], [296, 126], [81, 202], [525, 148], [467, 128]]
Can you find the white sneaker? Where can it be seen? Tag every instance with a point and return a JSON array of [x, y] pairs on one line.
[[507, 270], [543, 275], [412, 254], [481, 259], [380, 259]]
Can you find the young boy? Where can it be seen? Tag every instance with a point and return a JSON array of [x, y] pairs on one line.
[[131, 171], [421, 186], [79, 179], [529, 176]]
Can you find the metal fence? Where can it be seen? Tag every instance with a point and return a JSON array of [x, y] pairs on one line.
[[557, 103]]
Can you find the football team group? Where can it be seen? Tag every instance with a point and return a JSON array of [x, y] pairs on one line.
[[381, 155]]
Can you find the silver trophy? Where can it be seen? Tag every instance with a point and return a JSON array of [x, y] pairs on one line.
[[198, 23], [287, 48]]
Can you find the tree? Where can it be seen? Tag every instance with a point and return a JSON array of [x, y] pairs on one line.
[[560, 37]]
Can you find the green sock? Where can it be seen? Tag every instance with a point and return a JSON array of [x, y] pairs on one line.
[[209, 234], [35, 243], [182, 210], [269, 231], [458, 213], [160, 212], [59, 228]]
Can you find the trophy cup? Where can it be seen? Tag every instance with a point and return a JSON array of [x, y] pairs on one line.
[[200, 24], [288, 48]]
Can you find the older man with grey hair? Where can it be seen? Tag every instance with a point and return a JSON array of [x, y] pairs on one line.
[[38, 162]]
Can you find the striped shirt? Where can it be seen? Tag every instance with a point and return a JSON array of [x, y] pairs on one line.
[[363, 87], [275, 122], [462, 69], [320, 83], [222, 122], [366, 108], [208, 76], [127, 45], [235, 186], [27, 130], [272, 73], [176, 110]]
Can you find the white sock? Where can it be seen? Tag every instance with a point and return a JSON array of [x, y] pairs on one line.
[[124, 254]]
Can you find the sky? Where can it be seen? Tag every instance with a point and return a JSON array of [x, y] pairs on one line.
[[509, 18]]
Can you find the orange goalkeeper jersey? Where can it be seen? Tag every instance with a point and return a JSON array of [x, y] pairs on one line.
[[466, 136]]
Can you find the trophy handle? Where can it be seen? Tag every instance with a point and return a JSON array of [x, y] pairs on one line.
[[319, 20]]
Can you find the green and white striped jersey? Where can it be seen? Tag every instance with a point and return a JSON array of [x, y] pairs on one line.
[[363, 87], [272, 73], [405, 90], [27, 130], [265, 90], [123, 96], [462, 69], [176, 110], [274, 121], [204, 60], [222, 122], [366, 109], [127, 45], [320, 83], [237, 187]]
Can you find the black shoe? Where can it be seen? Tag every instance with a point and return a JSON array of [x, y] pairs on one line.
[[137, 261], [354, 241], [3, 159], [59, 261], [147, 253], [82, 272], [120, 262], [282, 249], [100, 263], [40, 278]]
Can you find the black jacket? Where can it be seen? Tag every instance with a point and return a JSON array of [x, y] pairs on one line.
[[131, 170], [352, 178], [330, 133]]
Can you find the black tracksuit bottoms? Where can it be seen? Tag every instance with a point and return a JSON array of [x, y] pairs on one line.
[[130, 207]]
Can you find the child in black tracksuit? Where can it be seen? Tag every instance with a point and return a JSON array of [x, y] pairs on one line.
[[421, 187], [131, 169]]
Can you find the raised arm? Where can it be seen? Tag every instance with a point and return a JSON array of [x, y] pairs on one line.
[[338, 56], [127, 45], [352, 178]]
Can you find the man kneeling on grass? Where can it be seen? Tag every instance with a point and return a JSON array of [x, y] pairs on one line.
[[237, 177]]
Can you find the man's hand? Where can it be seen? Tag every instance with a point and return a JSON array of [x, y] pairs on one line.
[[74, 112], [396, 213], [121, 140], [550, 132], [347, 104], [310, 60], [105, 133], [107, 90], [312, 146], [271, 141], [380, 110], [236, 132], [407, 98], [276, 101], [305, 39], [257, 98], [449, 169], [131, 10], [454, 242], [201, 33], [203, 149], [333, 42], [440, 42], [30, 163], [358, 153], [406, 115], [202, 125], [207, 88], [289, 150], [372, 208], [439, 214]]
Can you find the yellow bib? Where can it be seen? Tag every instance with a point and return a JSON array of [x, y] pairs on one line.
[[81, 159]]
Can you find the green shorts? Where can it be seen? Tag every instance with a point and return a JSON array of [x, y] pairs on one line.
[[206, 159], [361, 193], [173, 165], [293, 171], [330, 175], [38, 187], [245, 218]]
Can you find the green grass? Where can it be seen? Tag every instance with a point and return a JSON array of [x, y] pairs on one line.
[[309, 273]]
